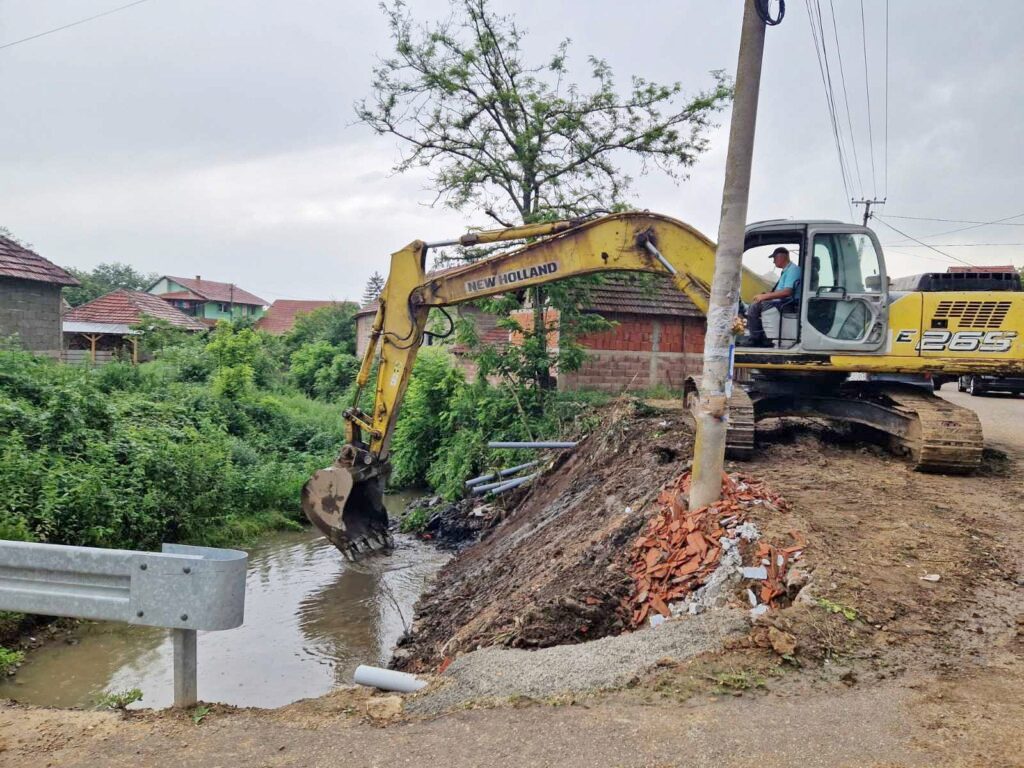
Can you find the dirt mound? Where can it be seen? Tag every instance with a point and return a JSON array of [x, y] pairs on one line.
[[551, 572]]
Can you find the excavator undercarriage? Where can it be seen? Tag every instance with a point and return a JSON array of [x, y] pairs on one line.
[[935, 435]]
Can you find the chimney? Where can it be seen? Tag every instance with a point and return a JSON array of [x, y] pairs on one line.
[[199, 278]]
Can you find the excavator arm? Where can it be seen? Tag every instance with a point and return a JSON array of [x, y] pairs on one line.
[[345, 501]]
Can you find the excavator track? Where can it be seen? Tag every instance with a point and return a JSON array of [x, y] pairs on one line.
[[944, 437], [739, 433], [937, 435]]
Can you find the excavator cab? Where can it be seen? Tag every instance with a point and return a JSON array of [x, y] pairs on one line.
[[844, 297]]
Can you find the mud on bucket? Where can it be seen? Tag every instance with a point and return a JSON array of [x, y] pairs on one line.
[[347, 506]]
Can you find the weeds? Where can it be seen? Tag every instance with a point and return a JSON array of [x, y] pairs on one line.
[[415, 521], [199, 714], [9, 660], [848, 613], [118, 700], [738, 682]]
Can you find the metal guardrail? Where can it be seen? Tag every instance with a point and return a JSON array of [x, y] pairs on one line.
[[181, 588]]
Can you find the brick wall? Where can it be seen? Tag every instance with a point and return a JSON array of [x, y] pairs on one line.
[[31, 310], [640, 352]]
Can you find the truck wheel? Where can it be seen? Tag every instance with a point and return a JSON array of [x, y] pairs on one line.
[[960, 386], [972, 387]]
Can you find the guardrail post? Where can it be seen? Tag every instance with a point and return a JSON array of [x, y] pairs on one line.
[[186, 692]]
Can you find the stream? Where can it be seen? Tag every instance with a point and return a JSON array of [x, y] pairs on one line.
[[310, 619]]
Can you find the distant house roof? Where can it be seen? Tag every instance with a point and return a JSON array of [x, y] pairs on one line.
[[656, 295], [368, 309], [211, 290], [124, 307], [283, 313], [18, 261]]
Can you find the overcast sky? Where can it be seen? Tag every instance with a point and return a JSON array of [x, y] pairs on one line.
[[217, 137]]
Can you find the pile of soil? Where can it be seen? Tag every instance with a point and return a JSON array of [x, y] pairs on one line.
[[551, 570]]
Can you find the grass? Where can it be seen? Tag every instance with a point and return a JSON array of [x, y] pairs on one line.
[[9, 659], [415, 521]]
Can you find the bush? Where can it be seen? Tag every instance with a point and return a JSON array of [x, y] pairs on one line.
[[132, 459]]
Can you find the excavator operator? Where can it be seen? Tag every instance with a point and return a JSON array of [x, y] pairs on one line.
[[785, 292]]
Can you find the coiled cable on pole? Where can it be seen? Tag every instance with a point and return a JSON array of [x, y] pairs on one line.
[[764, 11]]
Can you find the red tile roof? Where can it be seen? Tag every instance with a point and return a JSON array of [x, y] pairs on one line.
[[654, 295], [211, 290], [127, 307], [18, 261], [283, 313]]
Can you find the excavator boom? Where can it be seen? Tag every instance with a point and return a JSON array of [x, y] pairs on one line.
[[345, 500]]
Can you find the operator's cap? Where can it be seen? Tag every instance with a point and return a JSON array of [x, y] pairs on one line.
[[779, 250]]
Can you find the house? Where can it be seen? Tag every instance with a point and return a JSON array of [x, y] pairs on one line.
[[207, 300], [100, 331], [283, 313], [657, 340], [30, 298]]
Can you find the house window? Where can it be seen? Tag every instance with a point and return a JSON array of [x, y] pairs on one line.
[[224, 307]]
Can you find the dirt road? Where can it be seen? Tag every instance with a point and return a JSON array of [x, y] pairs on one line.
[[916, 672]]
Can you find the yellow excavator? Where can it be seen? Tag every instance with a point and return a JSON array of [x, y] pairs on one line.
[[851, 327]]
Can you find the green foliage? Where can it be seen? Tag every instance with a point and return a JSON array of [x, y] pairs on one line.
[[848, 613], [124, 456], [103, 279], [419, 433], [518, 139], [415, 521], [9, 660], [373, 289], [199, 714], [334, 324], [119, 700]]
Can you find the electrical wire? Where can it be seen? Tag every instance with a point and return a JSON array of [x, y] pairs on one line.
[[998, 222], [764, 11], [846, 98], [960, 245], [867, 92], [817, 40], [72, 24], [931, 247], [885, 160]]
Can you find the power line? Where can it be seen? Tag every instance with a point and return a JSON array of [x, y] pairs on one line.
[[818, 43], [72, 24], [958, 245], [867, 92], [885, 164], [846, 98], [931, 247], [998, 222]]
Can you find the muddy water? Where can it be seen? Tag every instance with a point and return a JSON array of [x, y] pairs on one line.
[[310, 619]]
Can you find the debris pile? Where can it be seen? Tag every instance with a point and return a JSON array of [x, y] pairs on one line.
[[680, 551]]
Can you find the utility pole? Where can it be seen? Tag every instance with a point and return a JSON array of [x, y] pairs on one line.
[[711, 409], [867, 207]]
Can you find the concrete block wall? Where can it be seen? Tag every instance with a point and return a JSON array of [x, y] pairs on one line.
[[31, 310]]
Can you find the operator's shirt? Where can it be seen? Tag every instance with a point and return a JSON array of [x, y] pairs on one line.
[[790, 278]]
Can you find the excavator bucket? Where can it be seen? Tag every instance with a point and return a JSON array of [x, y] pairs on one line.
[[347, 505]]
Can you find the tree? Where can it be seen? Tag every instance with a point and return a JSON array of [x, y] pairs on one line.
[[334, 324], [373, 289], [105, 278], [518, 140]]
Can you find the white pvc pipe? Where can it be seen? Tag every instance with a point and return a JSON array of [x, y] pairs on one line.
[[387, 679]]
